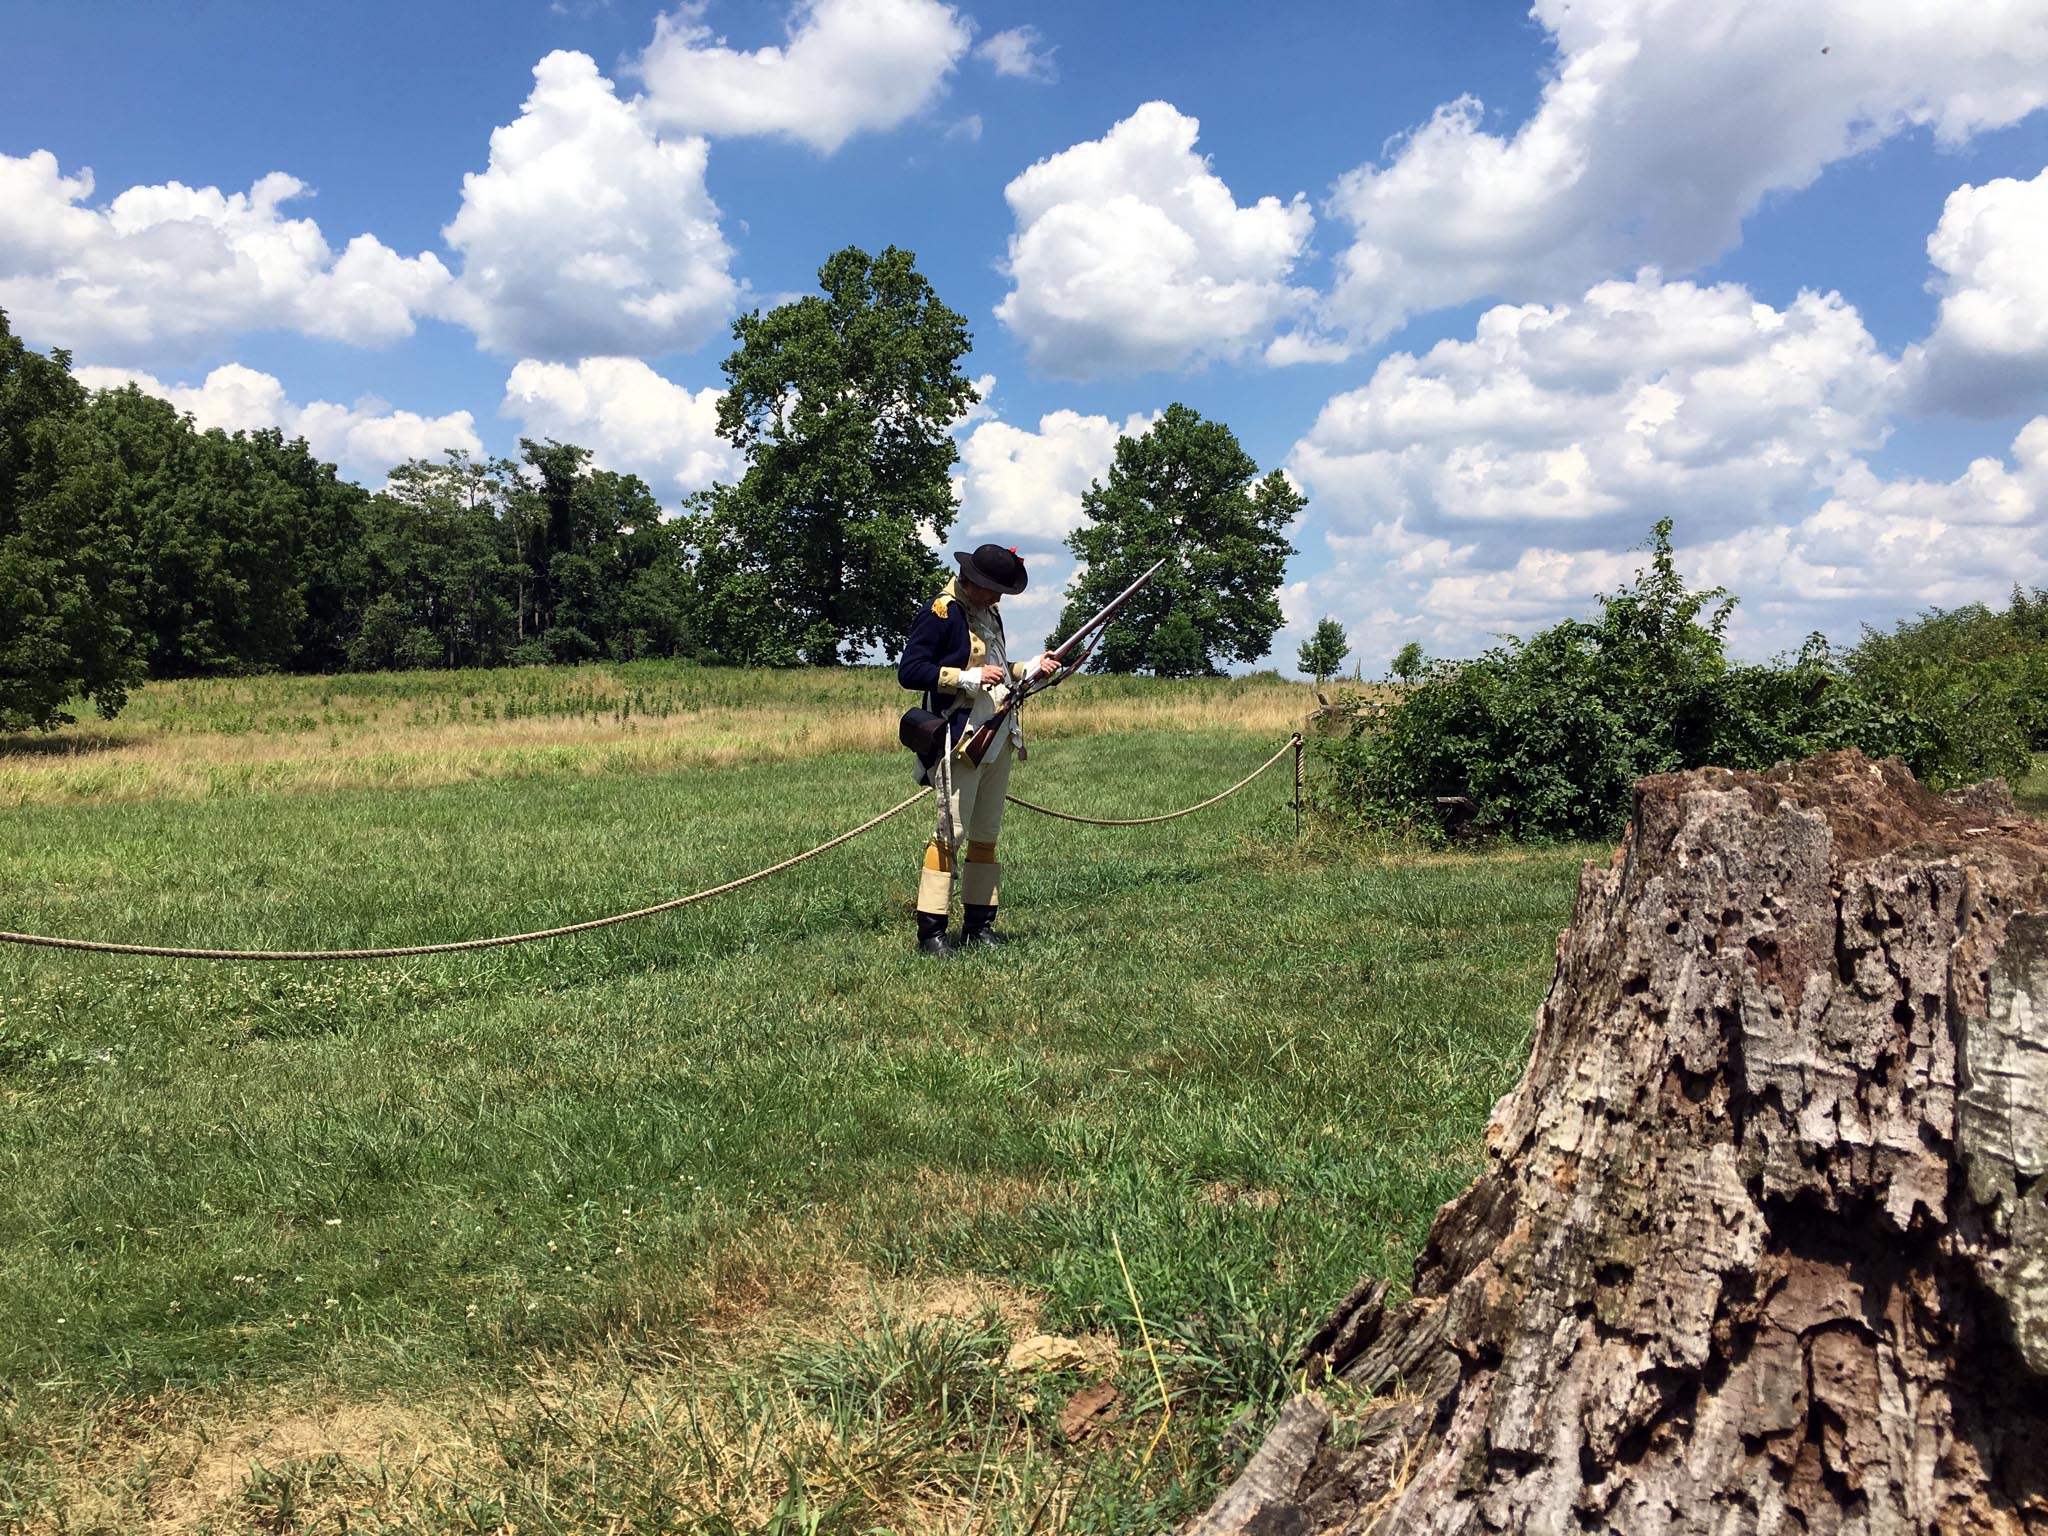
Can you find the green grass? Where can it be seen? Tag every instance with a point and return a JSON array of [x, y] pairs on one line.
[[522, 1190], [2032, 792]]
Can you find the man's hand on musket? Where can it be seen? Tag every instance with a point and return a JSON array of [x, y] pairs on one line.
[[1047, 665]]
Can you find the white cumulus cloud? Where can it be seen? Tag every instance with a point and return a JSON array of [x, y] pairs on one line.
[[631, 418], [1016, 483], [1874, 549], [1867, 550], [1660, 128], [589, 234], [1902, 544], [1593, 418], [365, 439], [846, 66], [1023, 487], [1131, 254], [1020, 53], [983, 409], [1989, 351], [173, 268], [1499, 482]]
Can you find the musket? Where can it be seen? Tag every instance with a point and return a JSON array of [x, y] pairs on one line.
[[974, 746]]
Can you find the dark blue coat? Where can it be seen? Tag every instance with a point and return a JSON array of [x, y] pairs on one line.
[[939, 638]]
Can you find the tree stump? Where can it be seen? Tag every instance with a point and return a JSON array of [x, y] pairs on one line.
[[1762, 1244]]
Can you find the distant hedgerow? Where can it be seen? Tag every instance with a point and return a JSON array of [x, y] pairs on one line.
[[1544, 737]]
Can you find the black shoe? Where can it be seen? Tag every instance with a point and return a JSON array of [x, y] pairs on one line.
[[931, 935], [980, 928]]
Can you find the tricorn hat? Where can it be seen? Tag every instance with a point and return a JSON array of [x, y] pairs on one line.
[[994, 567]]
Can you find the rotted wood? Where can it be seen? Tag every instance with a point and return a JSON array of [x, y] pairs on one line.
[[1762, 1244], [1262, 1498]]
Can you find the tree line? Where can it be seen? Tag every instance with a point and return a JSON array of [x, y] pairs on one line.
[[134, 545]]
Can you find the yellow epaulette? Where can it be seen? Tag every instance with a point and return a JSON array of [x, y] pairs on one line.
[[939, 606]]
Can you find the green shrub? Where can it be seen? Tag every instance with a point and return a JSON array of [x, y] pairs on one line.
[[1544, 738], [1961, 673], [1523, 733]]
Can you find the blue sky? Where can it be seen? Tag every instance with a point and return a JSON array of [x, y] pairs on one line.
[[1498, 288]]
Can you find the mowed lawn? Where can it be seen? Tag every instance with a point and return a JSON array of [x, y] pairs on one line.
[[726, 1219]]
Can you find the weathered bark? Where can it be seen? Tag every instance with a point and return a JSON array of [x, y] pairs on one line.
[[1762, 1245]]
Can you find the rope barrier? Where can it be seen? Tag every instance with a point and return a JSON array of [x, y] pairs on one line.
[[1146, 821], [163, 953], [167, 952]]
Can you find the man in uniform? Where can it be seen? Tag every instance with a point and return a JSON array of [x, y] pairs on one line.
[[955, 656]]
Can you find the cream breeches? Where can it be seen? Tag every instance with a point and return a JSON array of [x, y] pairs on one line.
[[977, 803]]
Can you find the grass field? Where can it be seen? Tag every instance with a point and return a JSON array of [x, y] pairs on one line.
[[235, 736], [726, 1220]]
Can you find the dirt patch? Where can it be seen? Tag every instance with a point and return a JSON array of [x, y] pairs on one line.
[[965, 1298], [168, 1467], [358, 1435], [693, 1413], [963, 1190], [786, 1277], [1248, 1196], [1094, 1353]]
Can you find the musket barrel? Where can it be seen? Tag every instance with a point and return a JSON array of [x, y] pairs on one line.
[[1108, 610], [975, 744]]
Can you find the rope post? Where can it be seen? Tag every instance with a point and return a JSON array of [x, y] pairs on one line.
[[1297, 786]]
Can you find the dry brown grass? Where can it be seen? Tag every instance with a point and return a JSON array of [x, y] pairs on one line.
[[184, 1464], [192, 1464], [702, 1407], [201, 739]]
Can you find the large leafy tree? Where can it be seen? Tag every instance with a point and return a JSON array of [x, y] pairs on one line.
[[221, 523], [333, 567], [841, 402], [478, 561], [1186, 491], [67, 567], [442, 542], [132, 544], [239, 548], [609, 576]]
